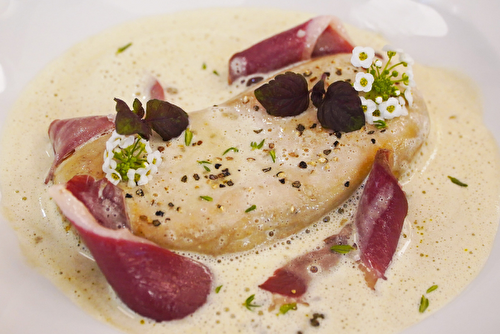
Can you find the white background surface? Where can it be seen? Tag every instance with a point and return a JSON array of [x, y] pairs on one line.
[[34, 32]]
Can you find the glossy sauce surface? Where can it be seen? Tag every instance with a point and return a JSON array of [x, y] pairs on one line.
[[446, 238]]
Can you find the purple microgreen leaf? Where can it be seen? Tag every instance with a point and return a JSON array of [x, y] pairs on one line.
[[128, 123], [286, 95], [341, 109], [317, 93], [168, 120], [137, 108]]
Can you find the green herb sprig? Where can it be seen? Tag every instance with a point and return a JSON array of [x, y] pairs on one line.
[[248, 303]]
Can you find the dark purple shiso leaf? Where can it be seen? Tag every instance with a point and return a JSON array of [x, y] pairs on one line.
[[341, 109], [317, 93], [286, 95], [168, 120], [128, 122], [137, 108]]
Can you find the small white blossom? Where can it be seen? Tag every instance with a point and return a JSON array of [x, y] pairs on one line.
[[389, 47], [149, 150], [408, 96], [114, 177], [409, 73], [155, 158], [404, 57], [378, 99], [363, 82], [378, 63], [116, 136], [143, 176], [362, 56], [131, 178], [109, 166], [390, 108], [127, 141], [368, 107]]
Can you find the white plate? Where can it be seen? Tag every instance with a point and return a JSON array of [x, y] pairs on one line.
[[455, 33]]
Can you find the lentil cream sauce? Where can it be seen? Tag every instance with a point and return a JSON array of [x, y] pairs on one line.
[[446, 239]]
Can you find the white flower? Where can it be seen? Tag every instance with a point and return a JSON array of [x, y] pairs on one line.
[[149, 150], [363, 82], [378, 63], [389, 47], [143, 176], [115, 136], [404, 57], [368, 107], [109, 166], [127, 141], [411, 82], [362, 56], [154, 158], [408, 96], [114, 177], [131, 178], [390, 108], [378, 99]]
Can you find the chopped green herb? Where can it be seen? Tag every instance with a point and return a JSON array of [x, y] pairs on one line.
[[215, 72], [188, 137], [123, 48], [424, 304], [217, 289], [457, 181], [203, 163], [248, 303], [204, 66], [432, 288], [342, 249], [234, 149], [287, 307], [253, 207], [254, 144], [207, 198], [380, 124], [272, 153]]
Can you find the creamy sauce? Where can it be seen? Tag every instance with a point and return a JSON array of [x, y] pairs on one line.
[[447, 235]]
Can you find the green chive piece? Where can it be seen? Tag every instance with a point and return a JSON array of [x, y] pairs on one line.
[[424, 304], [380, 124], [215, 72], [248, 303], [217, 289], [204, 66], [207, 198], [254, 144], [253, 207], [287, 307], [342, 249], [432, 288], [272, 153], [123, 48], [457, 181], [188, 137], [234, 149]]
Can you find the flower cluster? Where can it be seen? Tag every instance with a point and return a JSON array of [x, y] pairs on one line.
[[386, 91], [130, 159]]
